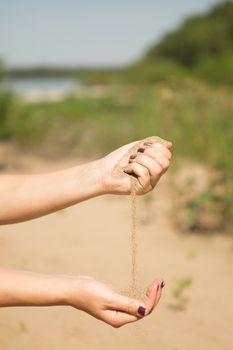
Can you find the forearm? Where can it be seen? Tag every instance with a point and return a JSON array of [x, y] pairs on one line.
[[28, 197], [25, 197], [21, 288]]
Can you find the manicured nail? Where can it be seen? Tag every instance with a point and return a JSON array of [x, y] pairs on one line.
[[141, 311], [141, 150], [133, 156], [162, 284], [147, 143]]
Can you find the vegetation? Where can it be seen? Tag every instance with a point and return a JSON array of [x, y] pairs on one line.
[[203, 44], [86, 75], [160, 95], [202, 47], [1, 69], [198, 118], [180, 302]]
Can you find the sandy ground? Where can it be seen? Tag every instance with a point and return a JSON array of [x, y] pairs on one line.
[[93, 238]]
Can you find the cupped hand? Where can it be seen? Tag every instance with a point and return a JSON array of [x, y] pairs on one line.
[[103, 303], [148, 164]]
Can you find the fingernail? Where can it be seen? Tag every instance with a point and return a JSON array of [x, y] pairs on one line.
[[141, 311], [162, 284], [133, 156], [141, 150], [147, 143]]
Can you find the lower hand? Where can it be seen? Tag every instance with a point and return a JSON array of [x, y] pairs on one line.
[[102, 302]]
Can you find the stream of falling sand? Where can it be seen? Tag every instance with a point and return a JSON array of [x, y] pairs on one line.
[[134, 291], [134, 244]]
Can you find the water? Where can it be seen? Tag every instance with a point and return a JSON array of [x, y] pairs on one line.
[[40, 86]]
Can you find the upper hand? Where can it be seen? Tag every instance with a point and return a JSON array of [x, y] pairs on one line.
[[102, 302], [148, 166]]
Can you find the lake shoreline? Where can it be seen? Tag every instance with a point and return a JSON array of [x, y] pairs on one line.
[[52, 89]]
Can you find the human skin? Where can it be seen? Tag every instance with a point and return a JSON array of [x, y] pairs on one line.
[[25, 197]]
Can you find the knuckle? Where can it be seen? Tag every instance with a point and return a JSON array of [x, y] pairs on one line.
[[169, 155], [139, 158], [158, 170], [158, 145], [148, 151], [145, 172], [135, 164], [166, 164], [131, 306], [134, 167]]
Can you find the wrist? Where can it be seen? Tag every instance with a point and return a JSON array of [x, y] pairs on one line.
[[96, 171], [108, 184], [83, 182], [96, 177], [66, 289], [74, 291]]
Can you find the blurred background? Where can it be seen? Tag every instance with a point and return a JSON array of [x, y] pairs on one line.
[[78, 79]]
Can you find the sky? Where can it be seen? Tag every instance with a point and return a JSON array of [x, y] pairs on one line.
[[87, 33]]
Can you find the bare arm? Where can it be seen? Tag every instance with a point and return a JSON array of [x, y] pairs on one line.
[[21, 288], [25, 197]]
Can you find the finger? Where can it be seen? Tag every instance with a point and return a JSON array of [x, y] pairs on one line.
[[162, 160], [128, 305], [152, 150], [124, 150], [166, 143], [153, 295], [169, 144], [117, 318], [155, 169], [159, 293], [141, 172]]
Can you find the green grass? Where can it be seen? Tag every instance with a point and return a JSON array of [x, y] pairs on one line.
[[180, 302], [197, 118]]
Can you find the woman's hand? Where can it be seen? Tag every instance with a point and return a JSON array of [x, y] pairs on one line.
[[24, 288], [102, 302], [26, 197], [149, 163]]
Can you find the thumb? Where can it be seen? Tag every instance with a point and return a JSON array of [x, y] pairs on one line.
[[130, 306]]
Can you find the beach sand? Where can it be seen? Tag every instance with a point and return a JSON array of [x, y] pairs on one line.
[[93, 238]]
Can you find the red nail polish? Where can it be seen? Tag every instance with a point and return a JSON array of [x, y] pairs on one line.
[[141, 150], [162, 284]]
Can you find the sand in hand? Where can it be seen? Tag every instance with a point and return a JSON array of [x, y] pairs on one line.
[[134, 290]]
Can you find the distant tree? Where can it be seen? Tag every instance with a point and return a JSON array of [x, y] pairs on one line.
[[199, 36], [1, 68]]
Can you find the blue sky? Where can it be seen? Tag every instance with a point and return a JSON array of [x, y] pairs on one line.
[[87, 33]]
